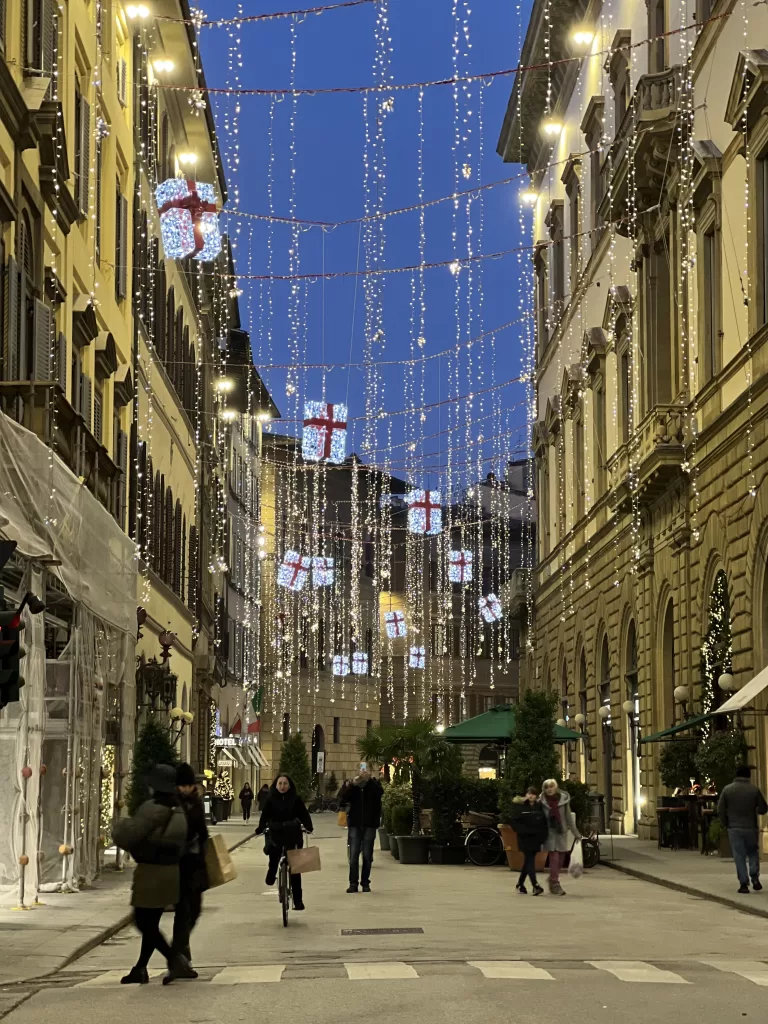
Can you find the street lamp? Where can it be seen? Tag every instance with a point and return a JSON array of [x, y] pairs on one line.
[[726, 683]]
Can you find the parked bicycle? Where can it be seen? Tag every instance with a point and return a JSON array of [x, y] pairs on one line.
[[483, 842], [323, 803]]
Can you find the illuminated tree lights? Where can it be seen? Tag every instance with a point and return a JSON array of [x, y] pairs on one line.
[[189, 220]]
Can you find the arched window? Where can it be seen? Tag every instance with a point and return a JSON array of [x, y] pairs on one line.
[[632, 718], [157, 524], [606, 749], [169, 545], [177, 356], [163, 156], [668, 666], [183, 565]]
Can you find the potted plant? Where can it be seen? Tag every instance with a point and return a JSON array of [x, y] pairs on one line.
[[396, 795], [447, 804], [677, 764], [402, 816], [717, 759]]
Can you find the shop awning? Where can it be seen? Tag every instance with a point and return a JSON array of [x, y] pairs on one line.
[[239, 757], [673, 730], [257, 757], [746, 694], [498, 726]]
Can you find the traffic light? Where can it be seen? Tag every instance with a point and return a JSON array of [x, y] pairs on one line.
[[11, 653]]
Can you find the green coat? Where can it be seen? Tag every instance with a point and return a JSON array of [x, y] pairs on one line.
[[155, 837]]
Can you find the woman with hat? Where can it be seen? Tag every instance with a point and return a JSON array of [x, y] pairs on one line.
[[155, 837]]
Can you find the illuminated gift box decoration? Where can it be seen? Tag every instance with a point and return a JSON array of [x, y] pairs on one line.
[[416, 657], [189, 219], [322, 572], [424, 512], [340, 665], [325, 432], [460, 566], [294, 570], [360, 664], [394, 623], [490, 608]]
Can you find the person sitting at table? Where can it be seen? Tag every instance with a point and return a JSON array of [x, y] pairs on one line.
[[739, 805]]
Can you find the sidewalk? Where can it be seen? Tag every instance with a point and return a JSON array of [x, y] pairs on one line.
[[709, 878], [66, 925]]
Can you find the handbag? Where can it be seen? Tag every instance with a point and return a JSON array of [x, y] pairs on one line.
[[304, 860], [342, 819], [576, 867], [218, 863]]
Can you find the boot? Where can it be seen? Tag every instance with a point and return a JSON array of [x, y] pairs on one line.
[[179, 967], [537, 890], [137, 976], [556, 889], [522, 890]]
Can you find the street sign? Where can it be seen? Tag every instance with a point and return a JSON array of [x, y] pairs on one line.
[[320, 762]]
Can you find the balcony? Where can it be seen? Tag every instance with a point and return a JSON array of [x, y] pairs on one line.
[[654, 457], [648, 138], [40, 406]]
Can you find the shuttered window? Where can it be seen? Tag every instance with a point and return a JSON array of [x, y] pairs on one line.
[[86, 398], [98, 413], [42, 326], [177, 548], [170, 316], [82, 151], [121, 245], [168, 540], [183, 567], [76, 382], [12, 322], [99, 143], [192, 576], [60, 367]]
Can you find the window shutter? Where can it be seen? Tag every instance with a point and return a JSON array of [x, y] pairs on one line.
[[41, 332], [122, 487], [85, 155], [121, 246], [86, 398], [61, 361], [177, 549], [2, 26], [12, 325], [183, 568], [122, 81], [98, 416], [168, 538], [170, 313], [47, 35], [192, 577], [159, 302], [77, 382]]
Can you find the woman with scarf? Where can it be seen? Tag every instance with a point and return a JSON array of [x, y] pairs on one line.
[[282, 817], [562, 831]]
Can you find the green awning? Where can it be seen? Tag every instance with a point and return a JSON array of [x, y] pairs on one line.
[[665, 734], [498, 726]]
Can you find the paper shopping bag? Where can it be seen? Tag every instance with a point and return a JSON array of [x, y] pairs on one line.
[[218, 862], [342, 819], [302, 861]]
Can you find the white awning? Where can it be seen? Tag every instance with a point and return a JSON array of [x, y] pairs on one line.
[[746, 694], [224, 759], [257, 757], [238, 756]]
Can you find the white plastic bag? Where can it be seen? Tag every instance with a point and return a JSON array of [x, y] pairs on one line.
[[576, 866]]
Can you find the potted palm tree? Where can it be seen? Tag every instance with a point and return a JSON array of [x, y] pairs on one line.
[[397, 798]]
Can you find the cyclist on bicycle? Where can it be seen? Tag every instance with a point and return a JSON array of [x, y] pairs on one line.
[[282, 817]]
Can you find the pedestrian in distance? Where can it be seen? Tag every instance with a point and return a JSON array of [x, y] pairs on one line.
[[261, 797], [739, 805], [155, 837], [193, 874], [361, 796], [562, 831], [246, 800], [529, 821], [283, 815]]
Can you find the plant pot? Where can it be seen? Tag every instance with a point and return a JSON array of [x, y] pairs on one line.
[[383, 839], [515, 858], [393, 847], [439, 854], [414, 849], [217, 808]]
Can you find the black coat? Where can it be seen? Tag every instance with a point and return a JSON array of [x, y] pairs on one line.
[[284, 814], [194, 874], [246, 796], [530, 824], [363, 803]]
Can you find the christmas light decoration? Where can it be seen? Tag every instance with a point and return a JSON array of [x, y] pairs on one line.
[[424, 512], [322, 571], [189, 220], [325, 432], [294, 571], [394, 623], [360, 663], [416, 657], [340, 665], [460, 566], [490, 608]]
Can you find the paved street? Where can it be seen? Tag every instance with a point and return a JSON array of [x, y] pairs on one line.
[[619, 945]]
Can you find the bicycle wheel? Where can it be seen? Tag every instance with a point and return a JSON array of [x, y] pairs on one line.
[[591, 852], [484, 847], [333, 806], [284, 889]]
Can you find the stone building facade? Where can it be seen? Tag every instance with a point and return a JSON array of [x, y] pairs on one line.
[[647, 147]]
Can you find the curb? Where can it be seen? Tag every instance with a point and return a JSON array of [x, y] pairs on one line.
[[689, 890], [111, 930]]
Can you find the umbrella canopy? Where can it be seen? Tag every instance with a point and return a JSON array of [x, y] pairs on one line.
[[498, 726]]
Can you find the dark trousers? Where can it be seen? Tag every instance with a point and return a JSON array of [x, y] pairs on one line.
[[746, 853], [147, 920], [184, 920], [529, 868], [274, 863], [246, 805], [361, 840]]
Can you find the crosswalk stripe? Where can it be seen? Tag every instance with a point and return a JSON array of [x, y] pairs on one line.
[[637, 970], [511, 969], [248, 975], [751, 970], [113, 978], [379, 972]]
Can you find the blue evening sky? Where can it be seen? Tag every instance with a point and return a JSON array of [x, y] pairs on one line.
[[336, 49]]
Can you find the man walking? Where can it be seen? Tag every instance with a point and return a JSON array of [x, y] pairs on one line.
[[738, 808], [362, 797]]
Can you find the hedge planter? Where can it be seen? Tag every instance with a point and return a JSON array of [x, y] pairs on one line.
[[447, 854], [383, 839], [414, 849], [514, 856], [393, 848]]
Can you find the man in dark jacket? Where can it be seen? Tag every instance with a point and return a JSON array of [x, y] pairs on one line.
[[738, 808], [530, 823], [193, 874], [362, 798]]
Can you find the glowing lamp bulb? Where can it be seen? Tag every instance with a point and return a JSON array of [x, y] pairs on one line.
[[135, 11], [229, 415], [264, 417], [583, 36], [162, 65], [528, 197], [552, 128], [187, 159], [224, 385]]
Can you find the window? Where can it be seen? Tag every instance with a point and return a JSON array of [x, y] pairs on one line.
[[657, 356], [704, 11], [572, 184], [368, 726], [557, 258], [592, 127], [623, 342], [98, 413], [82, 151], [337, 730], [542, 299], [286, 726], [578, 461], [39, 29], [600, 436], [619, 73], [657, 26], [544, 518], [97, 170], [710, 284], [121, 245], [762, 200]]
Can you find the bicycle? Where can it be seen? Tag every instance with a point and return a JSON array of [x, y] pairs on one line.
[[483, 843], [284, 888], [590, 848]]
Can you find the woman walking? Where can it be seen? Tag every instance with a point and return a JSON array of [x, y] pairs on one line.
[[283, 815], [155, 837], [530, 823], [193, 874], [246, 799], [562, 831]]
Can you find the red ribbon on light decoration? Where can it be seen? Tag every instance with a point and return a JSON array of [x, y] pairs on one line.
[[327, 424], [427, 505], [398, 619], [196, 206], [461, 561]]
